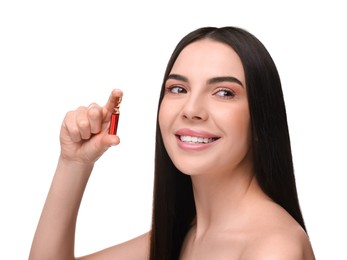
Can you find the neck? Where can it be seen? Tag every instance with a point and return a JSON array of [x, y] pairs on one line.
[[221, 200]]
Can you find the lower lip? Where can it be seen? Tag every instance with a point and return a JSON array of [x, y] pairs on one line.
[[193, 147]]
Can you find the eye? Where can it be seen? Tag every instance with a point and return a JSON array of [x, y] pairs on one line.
[[225, 93], [176, 90]]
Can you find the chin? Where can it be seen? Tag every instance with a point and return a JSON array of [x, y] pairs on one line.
[[194, 169]]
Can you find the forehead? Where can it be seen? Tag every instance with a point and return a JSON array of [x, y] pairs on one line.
[[208, 58]]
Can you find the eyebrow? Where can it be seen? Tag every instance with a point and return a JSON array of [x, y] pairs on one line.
[[213, 80], [177, 77]]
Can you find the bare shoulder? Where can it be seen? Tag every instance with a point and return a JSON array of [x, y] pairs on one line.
[[134, 249], [283, 245], [279, 238]]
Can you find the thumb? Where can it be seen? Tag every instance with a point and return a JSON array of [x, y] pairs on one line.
[[98, 145], [108, 140]]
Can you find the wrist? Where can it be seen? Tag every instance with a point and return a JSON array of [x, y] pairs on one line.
[[75, 165]]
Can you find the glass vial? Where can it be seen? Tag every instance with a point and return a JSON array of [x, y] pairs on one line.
[[115, 118]]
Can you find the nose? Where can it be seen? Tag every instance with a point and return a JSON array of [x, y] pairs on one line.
[[195, 109]]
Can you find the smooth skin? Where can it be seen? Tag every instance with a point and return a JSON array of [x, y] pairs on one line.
[[84, 138], [235, 219], [206, 93]]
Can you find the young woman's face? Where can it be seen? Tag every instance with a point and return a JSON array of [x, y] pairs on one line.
[[204, 117]]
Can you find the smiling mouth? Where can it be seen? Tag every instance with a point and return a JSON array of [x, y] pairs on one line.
[[196, 140]]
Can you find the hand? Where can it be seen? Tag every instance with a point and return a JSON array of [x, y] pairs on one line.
[[84, 132]]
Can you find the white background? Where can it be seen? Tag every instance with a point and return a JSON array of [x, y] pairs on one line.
[[58, 55]]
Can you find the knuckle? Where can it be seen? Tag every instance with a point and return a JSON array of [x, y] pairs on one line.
[[83, 123], [69, 115], [94, 113], [74, 131]]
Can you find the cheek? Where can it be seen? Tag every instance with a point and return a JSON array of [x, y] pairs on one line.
[[243, 128], [161, 117], [244, 133], [164, 117], [244, 124], [236, 123]]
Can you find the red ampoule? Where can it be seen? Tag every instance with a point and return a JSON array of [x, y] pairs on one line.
[[115, 117]]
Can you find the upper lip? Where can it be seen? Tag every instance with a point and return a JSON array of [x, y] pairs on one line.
[[195, 133]]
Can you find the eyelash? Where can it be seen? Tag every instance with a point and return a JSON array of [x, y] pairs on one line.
[[177, 90], [229, 93], [171, 90]]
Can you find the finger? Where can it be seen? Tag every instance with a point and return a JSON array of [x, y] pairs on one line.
[[82, 122], [71, 127], [95, 118], [109, 140], [103, 142], [111, 103]]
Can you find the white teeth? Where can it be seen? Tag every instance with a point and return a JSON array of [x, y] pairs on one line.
[[195, 140]]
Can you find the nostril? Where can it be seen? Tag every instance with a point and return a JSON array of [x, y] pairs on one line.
[[194, 113], [192, 117]]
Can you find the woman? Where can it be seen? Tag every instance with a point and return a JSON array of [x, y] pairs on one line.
[[224, 183]]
